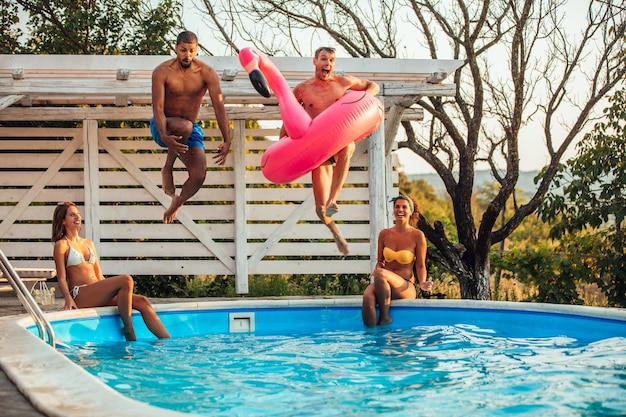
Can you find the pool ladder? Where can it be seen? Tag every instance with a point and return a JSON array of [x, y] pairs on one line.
[[43, 325]]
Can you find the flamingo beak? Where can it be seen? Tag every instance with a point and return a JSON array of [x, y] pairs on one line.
[[259, 83]]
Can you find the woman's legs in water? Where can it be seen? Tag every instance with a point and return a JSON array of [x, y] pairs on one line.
[[118, 291], [368, 309], [150, 317], [387, 286]]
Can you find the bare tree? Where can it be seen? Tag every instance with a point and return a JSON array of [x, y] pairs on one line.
[[521, 64]]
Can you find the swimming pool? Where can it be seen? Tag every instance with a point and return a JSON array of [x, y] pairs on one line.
[[266, 357]]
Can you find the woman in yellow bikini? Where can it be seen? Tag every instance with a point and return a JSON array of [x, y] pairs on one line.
[[81, 281], [401, 250]]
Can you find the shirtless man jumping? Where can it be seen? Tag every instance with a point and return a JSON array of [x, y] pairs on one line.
[[316, 94], [178, 87]]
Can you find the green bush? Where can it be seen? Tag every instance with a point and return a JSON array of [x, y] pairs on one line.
[[161, 286], [211, 286], [555, 277]]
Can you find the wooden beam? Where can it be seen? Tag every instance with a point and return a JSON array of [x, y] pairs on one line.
[[139, 113], [6, 101], [99, 91], [142, 65], [392, 123], [417, 89]]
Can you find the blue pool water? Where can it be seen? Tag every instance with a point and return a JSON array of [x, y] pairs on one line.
[[310, 361]]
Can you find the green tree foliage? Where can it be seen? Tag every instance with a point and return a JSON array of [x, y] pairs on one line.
[[161, 285], [10, 32], [594, 196], [110, 27]]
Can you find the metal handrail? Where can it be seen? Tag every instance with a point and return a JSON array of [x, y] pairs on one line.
[[43, 325]]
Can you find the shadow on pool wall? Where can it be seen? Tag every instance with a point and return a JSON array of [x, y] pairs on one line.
[[57, 386]]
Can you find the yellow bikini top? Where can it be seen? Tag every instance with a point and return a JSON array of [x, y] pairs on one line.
[[402, 256]]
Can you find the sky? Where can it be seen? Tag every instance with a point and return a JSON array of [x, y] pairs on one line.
[[533, 155]]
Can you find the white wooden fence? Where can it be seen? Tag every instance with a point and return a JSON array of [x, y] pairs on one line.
[[114, 177]]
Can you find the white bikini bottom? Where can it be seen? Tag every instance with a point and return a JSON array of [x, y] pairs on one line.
[[76, 289]]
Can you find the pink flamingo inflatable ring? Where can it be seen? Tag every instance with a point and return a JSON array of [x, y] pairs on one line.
[[309, 142]]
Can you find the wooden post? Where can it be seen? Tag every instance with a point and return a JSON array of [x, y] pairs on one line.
[[241, 237], [91, 172], [377, 184]]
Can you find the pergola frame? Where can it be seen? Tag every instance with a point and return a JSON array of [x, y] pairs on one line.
[[83, 88]]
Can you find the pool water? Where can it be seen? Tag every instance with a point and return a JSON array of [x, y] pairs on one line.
[[323, 362]]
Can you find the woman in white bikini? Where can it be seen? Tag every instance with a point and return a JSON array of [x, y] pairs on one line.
[[401, 250], [81, 281]]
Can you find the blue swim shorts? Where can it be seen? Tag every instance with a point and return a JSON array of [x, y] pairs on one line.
[[196, 139]]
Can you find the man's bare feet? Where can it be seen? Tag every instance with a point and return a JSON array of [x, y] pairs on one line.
[[170, 213], [331, 209], [167, 179], [342, 245]]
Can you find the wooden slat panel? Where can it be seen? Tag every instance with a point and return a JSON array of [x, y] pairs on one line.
[[23, 179], [259, 212], [162, 231], [218, 212], [37, 160], [319, 248], [259, 231], [29, 249], [330, 267], [140, 195], [188, 249], [299, 194], [52, 132], [309, 232], [14, 195], [354, 177], [171, 249], [128, 231], [29, 144], [163, 267], [44, 263], [25, 231], [155, 213]]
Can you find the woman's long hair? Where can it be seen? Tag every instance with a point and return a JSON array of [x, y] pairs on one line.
[[58, 230]]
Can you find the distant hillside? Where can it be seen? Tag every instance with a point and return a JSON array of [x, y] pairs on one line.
[[525, 184]]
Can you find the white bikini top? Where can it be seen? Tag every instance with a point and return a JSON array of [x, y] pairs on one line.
[[75, 257]]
